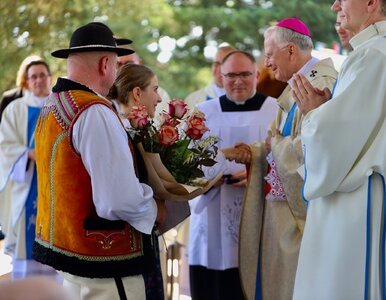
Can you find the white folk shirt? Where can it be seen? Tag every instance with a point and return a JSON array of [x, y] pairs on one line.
[[345, 160], [117, 194], [215, 218]]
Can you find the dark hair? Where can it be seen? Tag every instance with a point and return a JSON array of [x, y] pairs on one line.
[[130, 76], [247, 54], [35, 63]]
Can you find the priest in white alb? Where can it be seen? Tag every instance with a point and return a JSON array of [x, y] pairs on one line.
[[342, 255]]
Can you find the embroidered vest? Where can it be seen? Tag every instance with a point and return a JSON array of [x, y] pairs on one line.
[[69, 234]]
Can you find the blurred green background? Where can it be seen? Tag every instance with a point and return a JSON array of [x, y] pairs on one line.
[[175, 38]]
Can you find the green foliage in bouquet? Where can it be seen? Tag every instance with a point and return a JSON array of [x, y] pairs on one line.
[[178, 140]]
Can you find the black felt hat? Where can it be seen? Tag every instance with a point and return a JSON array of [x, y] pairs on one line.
[[122, 41], [94, 36]]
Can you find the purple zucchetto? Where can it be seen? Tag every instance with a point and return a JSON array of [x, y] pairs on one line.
[[295, 25]]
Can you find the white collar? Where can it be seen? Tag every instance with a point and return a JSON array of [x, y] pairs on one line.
[[307, 67]]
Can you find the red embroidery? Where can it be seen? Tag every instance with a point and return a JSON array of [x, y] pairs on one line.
[[276, 190]]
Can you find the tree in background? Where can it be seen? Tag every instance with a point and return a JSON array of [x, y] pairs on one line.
[[170, 36]]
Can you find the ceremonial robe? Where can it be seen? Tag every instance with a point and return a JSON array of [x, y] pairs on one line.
[[342, 255], [18, 180]]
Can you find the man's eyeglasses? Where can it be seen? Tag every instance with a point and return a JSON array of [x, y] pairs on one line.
[[241, 75], [35, 77]]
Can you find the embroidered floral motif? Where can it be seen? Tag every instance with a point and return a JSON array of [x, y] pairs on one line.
[[105, 238], [232, 212], [276, 192]]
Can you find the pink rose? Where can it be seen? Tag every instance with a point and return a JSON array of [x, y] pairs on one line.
[[177, 108], [167, 135], [169, 120], [196, 126], [138, 117]]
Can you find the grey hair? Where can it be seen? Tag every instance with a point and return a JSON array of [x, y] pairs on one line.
[[283, 36]]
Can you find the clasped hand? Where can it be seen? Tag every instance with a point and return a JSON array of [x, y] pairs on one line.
[[306, 96]]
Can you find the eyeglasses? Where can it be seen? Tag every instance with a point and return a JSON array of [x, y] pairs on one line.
[[241, 75], [35, 77]]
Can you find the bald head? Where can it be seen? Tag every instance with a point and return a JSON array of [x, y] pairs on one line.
[[219, 57], [96, 70]]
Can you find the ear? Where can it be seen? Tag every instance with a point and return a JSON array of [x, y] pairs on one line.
[[291, 48], [137, 92], [374, 6], [103, 65]]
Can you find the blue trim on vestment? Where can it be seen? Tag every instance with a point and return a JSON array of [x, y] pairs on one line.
[[259, 290], [33, 115], [305, 175], [333, 88], [288, 122], [31, 201], [368, 239], [208, 98], [383, 238]]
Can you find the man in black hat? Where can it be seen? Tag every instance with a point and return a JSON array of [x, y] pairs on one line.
[[94, 218]]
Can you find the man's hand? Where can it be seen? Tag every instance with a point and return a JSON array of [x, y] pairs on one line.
[[240, 177], [241, 153], [306, 96], [31, 154]]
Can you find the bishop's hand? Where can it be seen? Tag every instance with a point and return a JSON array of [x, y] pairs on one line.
[[306, 96]]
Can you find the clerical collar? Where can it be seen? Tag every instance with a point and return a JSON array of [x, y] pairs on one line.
[[254, 103]]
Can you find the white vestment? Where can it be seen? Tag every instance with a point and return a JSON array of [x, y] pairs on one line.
[[16, 174], [211, 91], [344, 140], [15, 178], [215, 218]]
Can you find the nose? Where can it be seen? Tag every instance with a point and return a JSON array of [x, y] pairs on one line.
[[336, 6], [267, 64], [238, 79]]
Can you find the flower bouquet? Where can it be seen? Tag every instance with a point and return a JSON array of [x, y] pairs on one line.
[[174, 152]]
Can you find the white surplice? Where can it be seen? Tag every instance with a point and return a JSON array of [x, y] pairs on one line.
[[215, 218], [15, 179], [209, 92], [15, 184], [345, 159]]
